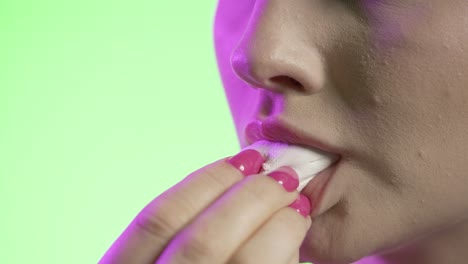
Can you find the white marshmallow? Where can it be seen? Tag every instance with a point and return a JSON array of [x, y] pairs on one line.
[[306, 162]]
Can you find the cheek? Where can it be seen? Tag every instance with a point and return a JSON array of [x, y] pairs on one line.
[[415, 91], [411, 121], [393, 21]]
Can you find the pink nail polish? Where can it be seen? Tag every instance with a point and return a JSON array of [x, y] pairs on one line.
[[301, 205], [248, 161], [287, 177]]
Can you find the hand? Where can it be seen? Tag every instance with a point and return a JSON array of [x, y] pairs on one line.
[[217, 214]]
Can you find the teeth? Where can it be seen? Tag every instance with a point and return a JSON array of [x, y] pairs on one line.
[[307, 162]]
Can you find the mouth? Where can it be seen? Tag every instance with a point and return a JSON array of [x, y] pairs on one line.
[[275, 131], [315, 190]]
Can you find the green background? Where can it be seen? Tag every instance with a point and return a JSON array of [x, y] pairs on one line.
[[103, 106]]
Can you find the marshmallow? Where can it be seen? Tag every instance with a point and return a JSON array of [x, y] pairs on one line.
[[306, 162]]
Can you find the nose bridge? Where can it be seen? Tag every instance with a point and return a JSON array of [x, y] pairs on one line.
[[276, 50]]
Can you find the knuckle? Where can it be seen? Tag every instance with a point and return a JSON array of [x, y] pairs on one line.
[[219, 176], [158, 222], [240, 258], [198, 247], [245, 256]]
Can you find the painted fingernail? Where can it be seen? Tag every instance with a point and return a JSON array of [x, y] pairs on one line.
[[248, 161], [301, 205], [287, 177]]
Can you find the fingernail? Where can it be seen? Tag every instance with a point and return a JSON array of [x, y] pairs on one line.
[[301, 205], [248, 161], [287, 177]]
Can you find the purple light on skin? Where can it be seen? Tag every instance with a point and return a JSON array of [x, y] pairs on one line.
[[391, 25], [277, 105], [235, 28], [386, 31], [230, 24]]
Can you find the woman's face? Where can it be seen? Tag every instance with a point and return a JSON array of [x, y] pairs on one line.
[[385, 81]]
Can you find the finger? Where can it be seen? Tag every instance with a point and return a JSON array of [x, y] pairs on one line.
[[295, 258], [217, 233], [152, 229], [277, 241]]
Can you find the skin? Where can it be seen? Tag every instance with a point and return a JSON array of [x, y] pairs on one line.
[[187, 223], [385, 81]]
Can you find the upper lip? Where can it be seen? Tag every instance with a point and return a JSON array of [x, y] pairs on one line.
[[275, 130]]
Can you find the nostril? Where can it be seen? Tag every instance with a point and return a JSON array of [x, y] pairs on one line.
[[286, 82]]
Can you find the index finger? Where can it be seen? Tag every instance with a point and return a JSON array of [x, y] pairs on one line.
[[151, 230]]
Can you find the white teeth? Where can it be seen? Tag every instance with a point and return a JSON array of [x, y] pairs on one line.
[[307, 162]]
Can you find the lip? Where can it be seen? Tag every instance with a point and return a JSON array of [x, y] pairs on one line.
[[316, 188], [277, 131]]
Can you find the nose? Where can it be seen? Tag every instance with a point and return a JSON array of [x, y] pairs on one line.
[[277, 50]]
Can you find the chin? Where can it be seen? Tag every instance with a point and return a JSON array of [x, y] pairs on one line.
[[334, 255], [332, 240]]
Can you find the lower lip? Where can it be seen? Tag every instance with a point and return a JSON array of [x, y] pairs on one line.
[[316, 188]]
